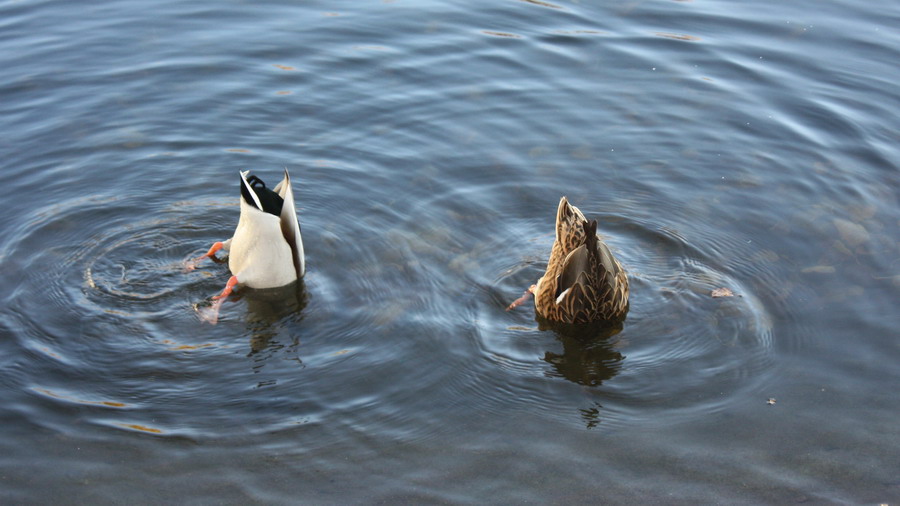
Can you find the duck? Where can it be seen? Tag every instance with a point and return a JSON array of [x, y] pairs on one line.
[[266, 250], [583, 282]]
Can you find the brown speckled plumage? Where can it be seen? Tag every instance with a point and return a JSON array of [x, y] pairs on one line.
[[584, 283]]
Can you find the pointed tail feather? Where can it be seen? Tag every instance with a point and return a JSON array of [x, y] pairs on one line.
[[290, 225]]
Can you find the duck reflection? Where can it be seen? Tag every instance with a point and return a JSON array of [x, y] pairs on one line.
[[267, 307], [588, 357]]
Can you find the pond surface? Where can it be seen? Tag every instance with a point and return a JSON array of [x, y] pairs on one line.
[[745, 145]]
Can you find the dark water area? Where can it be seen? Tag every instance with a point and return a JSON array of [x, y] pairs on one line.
[[746, 145]]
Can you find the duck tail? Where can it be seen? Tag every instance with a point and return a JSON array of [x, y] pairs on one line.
[[590, 232]]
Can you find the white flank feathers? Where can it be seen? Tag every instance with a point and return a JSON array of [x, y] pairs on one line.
[[266, 251]]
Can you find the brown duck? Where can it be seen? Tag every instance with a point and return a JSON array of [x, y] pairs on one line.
[[584, 283]]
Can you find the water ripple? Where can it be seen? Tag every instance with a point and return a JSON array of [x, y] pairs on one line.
[[676, 341]]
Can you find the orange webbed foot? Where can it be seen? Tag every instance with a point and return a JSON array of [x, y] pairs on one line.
[[521, 300], [192, 263], [211, 314]]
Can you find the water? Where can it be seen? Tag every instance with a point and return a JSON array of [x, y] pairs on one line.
[[751, 146]]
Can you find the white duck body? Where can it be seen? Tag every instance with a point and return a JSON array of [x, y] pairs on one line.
[[266, 250]]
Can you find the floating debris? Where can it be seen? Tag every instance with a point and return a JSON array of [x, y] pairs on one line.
[[136, 426], [543, 4], [819, 269], [191, 347], [722, 292], [57, 395], [677, 36], [501, 34]]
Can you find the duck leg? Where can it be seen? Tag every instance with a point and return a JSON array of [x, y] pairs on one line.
[[211, 314], [192, 264], [521, 300]]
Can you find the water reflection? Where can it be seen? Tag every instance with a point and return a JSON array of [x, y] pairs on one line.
[[589, 357], [591, 416], [267, 308]]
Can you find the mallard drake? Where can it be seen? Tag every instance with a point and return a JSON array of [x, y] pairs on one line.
[[583, 283], [266, 250]]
